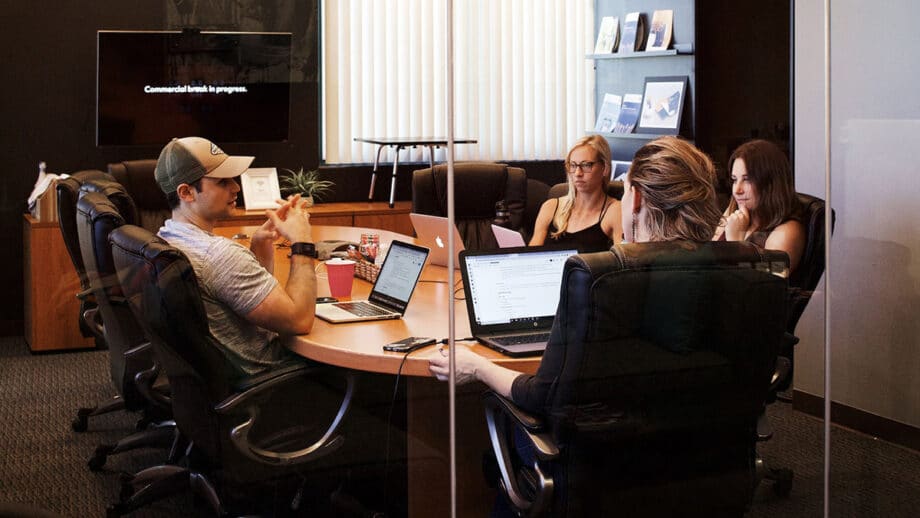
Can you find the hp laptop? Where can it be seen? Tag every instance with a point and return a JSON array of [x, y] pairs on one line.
[[432, 231], [511, 296], [507, 238], [391, 292]]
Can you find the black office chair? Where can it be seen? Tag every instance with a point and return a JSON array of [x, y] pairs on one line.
[[802, 284], [131, 363], [242, 429], [138, 179], [667, 352], [614, 189], [68, 191], [478, 187], [537, 193]]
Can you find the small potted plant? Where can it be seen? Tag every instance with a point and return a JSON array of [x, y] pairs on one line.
[[306, 183]]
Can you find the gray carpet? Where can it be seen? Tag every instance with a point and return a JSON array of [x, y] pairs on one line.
[[43, 462]]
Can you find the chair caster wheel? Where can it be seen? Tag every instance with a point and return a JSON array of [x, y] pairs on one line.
[[782, 485], [79, 424], [97, 461], [114, 511]]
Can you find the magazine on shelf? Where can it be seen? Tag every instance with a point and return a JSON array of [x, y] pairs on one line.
[[608, 114], [659, 35], [633, 32], [629, 113], [619, 168], [608, 35]]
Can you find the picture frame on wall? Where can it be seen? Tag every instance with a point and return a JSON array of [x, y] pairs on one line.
[[261, 189], [663, 104]]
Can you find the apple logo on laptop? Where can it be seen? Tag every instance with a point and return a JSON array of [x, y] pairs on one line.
[[438, 241]]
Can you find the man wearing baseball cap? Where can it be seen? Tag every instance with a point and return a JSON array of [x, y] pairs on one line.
[[247, 308]]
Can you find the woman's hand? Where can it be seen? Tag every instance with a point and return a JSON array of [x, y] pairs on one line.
[[737, 224], [468, 364]]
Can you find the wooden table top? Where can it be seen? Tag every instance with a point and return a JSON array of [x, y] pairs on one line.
[[360, 345]]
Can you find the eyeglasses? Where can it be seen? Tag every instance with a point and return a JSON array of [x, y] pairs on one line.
[[586, 167]]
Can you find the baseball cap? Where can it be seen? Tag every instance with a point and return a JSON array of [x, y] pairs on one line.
[[186, 160]]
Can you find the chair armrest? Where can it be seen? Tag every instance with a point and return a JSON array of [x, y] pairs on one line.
[[500, 413], [780, 373], [146, 378], [246, 399]]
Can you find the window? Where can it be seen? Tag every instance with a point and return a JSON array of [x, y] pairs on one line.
[[524, 88]]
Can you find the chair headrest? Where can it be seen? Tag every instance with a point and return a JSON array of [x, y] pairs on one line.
[[138, 178], [68, 191], [116, 192], [477, 184], [614, 189]]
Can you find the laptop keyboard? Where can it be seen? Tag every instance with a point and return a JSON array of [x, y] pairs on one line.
[[362, 309], [521, 339]]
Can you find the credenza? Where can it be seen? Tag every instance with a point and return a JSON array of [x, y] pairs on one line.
[[50, 305]]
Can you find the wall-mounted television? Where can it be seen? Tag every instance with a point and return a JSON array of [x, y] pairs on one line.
[[224, 86]]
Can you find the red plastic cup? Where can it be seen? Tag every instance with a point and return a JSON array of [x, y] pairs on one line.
[[341, 274]]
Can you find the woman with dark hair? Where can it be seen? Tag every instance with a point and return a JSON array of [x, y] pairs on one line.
[[764, 208], [585, 217]]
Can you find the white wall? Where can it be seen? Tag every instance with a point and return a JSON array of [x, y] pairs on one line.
[[875, 189]]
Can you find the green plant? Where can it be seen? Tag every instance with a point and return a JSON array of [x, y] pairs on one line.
[[306, 183]]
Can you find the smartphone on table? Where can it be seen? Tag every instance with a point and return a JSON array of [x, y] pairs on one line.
[[409, 344]]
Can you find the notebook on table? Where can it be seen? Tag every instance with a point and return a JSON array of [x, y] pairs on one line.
[[392, 290], [511, 296], [432, 231], [507, 238]]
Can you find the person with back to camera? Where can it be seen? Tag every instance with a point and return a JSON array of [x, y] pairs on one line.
[[586, 206], [764, 208], [246, 306], [669, 195]]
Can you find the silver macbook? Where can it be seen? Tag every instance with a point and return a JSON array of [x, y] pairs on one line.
[[432, 231], [390, 295], [511, 296], [507, 238]]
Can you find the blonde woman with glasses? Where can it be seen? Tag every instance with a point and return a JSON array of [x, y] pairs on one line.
[[585, 217]]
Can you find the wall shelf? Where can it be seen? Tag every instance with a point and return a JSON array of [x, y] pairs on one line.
[[641, 54]]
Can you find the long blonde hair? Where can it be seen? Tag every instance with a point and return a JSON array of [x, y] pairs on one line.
[[602, 149], [677, 182]]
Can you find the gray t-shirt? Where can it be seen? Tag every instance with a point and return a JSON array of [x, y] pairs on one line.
[[232, 284]]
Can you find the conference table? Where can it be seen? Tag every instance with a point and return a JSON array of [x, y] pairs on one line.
[[359, 346]]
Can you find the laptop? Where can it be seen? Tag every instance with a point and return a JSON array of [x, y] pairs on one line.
[[432, 231], [392, 290], [512, 294], [507, 238]]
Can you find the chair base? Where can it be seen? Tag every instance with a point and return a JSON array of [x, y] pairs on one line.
[[160, 436], [80, 423]]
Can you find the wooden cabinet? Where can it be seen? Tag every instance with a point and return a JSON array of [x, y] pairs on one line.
[[51, 309]]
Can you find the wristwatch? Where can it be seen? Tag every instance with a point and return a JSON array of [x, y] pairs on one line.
[[307, 249]]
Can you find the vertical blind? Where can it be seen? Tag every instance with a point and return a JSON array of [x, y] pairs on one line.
[[523, 87]]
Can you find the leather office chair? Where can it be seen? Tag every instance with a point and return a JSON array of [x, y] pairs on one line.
[[802, 284], [242, 429], [68, 191], [614, 189], [537, 193], [131, 363], [138, 179], [667, 352], [478, 186]]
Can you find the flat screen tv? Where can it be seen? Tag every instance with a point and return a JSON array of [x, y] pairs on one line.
[[224, 86]]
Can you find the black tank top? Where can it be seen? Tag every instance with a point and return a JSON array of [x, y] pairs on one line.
[[588, 239]]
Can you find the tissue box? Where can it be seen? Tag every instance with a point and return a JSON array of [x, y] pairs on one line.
[[45, 208]]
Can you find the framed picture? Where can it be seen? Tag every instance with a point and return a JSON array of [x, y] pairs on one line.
[[261, 189], [663, 104]]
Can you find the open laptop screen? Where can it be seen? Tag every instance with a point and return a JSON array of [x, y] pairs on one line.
[[519, 287], [399, 275]]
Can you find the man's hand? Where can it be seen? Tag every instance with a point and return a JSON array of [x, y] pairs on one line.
[[292, 221], [262, 245]]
